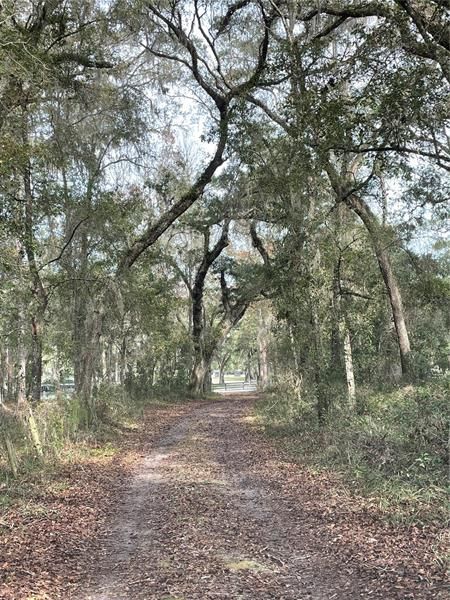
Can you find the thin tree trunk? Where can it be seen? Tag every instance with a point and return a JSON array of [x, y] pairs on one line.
[[123, 360], [12, 455], [110, 372], [294, 350], [322, 399], [21, 370], [40, 297], [34, 432], [104, 362], [90, 359], [10, 384], [348, 363], [116, 367], [36, 357], [223, 361], [80, 300], [151, 373], [397, 310], [21, 389], [263, 351], [248, 368], [263, 378], [3, 374], [335, 341]]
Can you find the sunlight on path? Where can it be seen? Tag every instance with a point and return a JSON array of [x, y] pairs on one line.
[[202, 520]]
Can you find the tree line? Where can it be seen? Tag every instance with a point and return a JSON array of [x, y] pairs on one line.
[[182, 178]]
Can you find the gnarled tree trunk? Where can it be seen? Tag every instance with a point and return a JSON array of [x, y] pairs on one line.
[[203, 353]]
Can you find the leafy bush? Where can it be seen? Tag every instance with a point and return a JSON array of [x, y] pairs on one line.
[[395, 444]]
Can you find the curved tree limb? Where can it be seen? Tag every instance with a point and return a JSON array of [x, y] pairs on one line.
[[257, 243]]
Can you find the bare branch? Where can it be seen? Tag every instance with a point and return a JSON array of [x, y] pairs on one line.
[[66, 245], [155, 230], [234, 8]]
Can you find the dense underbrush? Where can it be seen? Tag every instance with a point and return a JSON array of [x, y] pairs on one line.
[[393, 446], [36, 437]]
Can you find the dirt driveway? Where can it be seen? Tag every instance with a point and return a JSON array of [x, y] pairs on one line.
[[213, 512]]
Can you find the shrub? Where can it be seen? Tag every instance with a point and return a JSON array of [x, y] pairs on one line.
[[394, 444]]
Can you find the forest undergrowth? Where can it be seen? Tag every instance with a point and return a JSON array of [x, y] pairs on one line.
[[393, 449], [38, 441]]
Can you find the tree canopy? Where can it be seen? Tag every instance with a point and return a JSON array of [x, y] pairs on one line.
[[174, 174]]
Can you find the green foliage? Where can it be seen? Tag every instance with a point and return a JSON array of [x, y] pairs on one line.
[[393, 448], [101, 138], [64, 422]]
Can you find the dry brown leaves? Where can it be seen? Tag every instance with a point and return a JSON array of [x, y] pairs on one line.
[[49, 535], [226, 515]]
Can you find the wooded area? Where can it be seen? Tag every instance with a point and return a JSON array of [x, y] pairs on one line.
[[259, 186]]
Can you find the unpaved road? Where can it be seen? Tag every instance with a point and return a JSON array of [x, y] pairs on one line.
[[207, 516]]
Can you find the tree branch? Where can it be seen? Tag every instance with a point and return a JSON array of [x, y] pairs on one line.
[[155, 230], [257, 243], [80, 59], [66, 245]]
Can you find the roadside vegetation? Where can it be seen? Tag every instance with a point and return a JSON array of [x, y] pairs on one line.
[[393, 449], [40, 441]]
